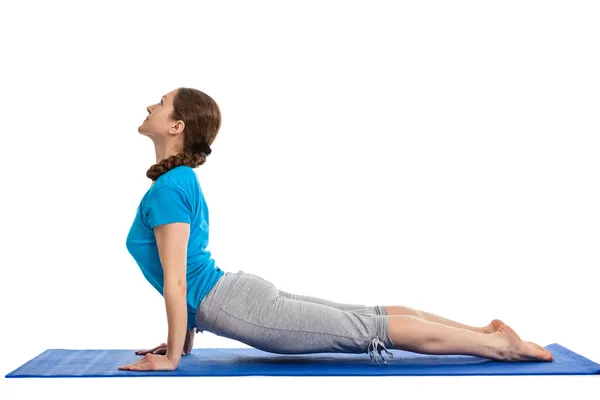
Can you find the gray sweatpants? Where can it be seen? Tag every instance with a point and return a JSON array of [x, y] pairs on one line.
[[250, 309]]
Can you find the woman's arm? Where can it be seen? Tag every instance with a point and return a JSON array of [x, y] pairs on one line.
[[189, 341], [172, 241]]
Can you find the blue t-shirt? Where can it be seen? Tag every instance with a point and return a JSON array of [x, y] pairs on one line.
[[175, 196]]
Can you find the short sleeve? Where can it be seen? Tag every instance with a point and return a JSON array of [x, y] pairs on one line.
[[166, 205]]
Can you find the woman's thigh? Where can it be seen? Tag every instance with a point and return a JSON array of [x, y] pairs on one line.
[[356, 308], [256, 313]]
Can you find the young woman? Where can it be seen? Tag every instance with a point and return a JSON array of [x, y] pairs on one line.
[[168, 240]]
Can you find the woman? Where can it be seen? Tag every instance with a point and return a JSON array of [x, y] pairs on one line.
[[168, 240]]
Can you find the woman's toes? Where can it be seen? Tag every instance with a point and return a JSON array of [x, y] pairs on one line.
[[537, 345], [547, 354], [521, 350], [532, 351]]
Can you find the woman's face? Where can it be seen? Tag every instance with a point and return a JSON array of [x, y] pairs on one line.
[[158, 122]]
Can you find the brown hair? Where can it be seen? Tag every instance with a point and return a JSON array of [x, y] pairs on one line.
[[202, 118]]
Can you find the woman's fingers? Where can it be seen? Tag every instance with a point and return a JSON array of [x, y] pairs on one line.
[[163, 351], [133, 365], [140, 364], [144, 352], [160, 346], [148, 362]]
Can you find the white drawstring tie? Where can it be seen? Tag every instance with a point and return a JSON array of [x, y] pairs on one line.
[[374, 345]]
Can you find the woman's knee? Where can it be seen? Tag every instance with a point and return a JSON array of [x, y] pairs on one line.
[[404, 310]]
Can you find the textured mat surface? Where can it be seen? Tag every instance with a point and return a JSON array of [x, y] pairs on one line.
[[249, 361]]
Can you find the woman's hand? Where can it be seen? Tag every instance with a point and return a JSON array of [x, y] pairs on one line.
[[161, 349], [150, 362]]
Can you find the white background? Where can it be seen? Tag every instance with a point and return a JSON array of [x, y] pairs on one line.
[[439, 155]]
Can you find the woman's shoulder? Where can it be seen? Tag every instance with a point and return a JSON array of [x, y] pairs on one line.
[[185, 172], [177, 175], [181, 177]]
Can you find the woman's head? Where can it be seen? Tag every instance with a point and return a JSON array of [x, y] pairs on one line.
[[182, 125]]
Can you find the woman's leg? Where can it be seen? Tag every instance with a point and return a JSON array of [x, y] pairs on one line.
[[403, 310], [418, 335]]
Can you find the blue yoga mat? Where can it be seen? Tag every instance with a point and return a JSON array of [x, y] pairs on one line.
[[60, 363]]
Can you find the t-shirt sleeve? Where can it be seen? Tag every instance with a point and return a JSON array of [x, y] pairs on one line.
[[166, 205]]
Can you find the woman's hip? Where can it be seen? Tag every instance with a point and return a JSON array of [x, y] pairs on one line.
[[246, 291]]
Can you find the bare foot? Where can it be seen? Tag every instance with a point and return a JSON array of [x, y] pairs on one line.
[[520, 350], [493, 326]]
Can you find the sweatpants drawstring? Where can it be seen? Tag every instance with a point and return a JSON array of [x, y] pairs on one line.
[[373, 345]]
